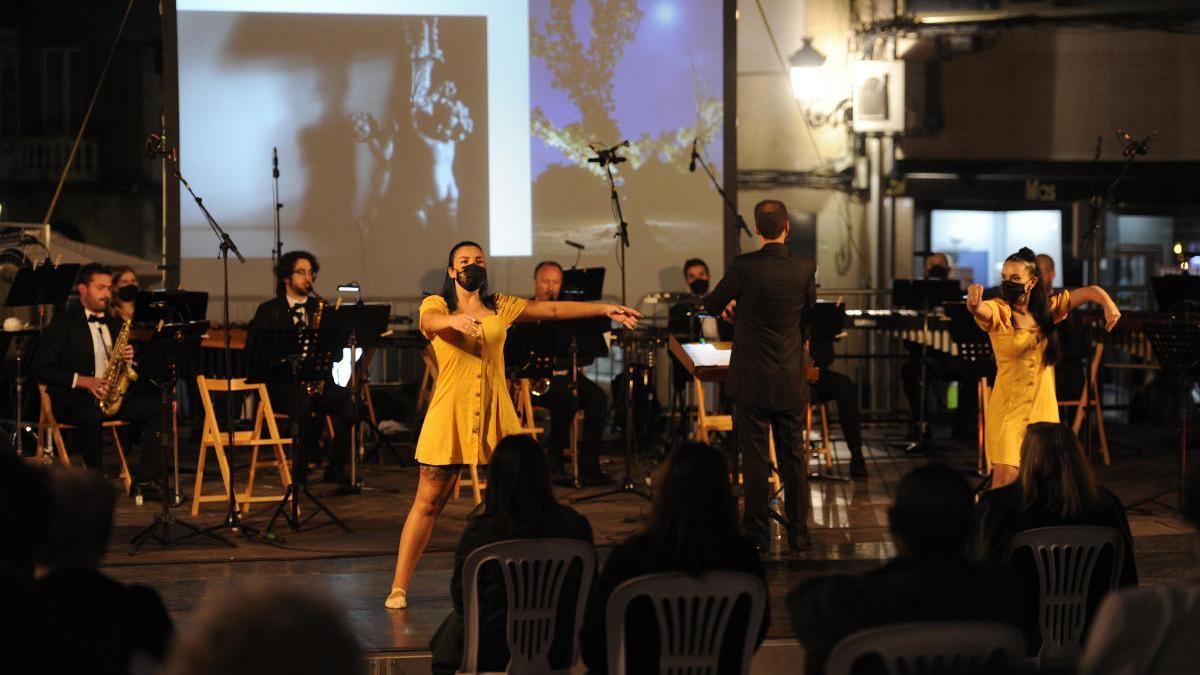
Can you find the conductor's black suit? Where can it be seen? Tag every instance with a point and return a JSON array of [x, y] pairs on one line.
[[774, 289]]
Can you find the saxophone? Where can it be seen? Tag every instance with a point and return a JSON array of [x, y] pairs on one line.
[[118, 375], [315, 389]]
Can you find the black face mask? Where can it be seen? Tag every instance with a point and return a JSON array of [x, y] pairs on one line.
[[938, 272], [1012, 292], [472, 277], [127, 293], [699, 286]]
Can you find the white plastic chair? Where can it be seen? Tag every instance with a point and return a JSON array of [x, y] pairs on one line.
[[534, 571], [1065, 558], [932, 648], [693, 614]]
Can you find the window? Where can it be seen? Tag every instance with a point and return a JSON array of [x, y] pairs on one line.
[[10, 93], [62, 103], [977, 242]]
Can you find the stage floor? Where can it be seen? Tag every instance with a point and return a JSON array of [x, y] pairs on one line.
[[849, 521]]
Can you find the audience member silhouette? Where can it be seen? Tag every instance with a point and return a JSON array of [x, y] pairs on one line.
[[519, 504], [1149, 630], [25, 505], [692, 528], [98, 624], [930, 579], [268, 630]]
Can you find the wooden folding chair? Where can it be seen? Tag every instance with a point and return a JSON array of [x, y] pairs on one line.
[[821, 448], [1089, 401], [706, 422], [213, 437], [985, 393], [48, 425]]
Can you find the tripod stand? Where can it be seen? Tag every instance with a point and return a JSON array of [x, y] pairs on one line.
[[173, 350], [923, 295]]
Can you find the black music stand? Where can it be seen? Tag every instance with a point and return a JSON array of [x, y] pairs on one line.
[[34, 287], [924, 295], [310, 353], [172, 353], [364, 324], [1176, 345], [169, 306], [584, 284], [824, 326], [974, 346]]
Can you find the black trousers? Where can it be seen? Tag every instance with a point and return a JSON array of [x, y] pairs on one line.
[[336, 402], [594, 403], [834, 386], [140, 408], [751, 426]]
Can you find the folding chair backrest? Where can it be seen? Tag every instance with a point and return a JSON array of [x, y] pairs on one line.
[[1065, 558], [693, 615], [931, 648], [534, 571]]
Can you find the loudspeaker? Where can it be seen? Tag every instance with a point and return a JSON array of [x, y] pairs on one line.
[[878, 96]]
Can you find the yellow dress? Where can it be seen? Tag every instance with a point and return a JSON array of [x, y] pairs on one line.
[[471, 409], [1024, 391]]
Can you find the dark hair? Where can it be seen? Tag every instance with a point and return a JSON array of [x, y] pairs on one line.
[[770, 217], [546, 263], [25, 509], [1054, 474], [519, 492], [448, 293], [1047, 258], [287, 263], [81, 521], [90, 270], [1039, 304], [934, 510], [693, 262], [694, 511]]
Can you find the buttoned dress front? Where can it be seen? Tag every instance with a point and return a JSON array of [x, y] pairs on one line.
[[1024, 391], [471, 409]]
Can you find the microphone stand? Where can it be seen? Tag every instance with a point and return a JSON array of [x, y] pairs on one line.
[[277, 252], [739, 221], [233, 521]]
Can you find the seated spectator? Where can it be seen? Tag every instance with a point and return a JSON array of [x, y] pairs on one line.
[[1054, 487], [519, 504], [25, 505], [693, 528], [271, 630], [930, 579], [100, 625], [1149, 630]]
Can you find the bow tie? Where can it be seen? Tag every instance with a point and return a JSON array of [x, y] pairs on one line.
[[95, 319]]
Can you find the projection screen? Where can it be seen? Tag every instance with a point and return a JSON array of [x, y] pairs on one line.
[[404, 126]]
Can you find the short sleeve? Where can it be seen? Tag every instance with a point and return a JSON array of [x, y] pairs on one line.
[[509, 307], [995, 322], [1060, 305], [434, 303]]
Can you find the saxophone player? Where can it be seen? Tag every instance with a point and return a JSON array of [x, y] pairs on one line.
[[295, 304], [71, 358]]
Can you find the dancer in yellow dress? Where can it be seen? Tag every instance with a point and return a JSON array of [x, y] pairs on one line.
[[1021, 325], [471, 409]]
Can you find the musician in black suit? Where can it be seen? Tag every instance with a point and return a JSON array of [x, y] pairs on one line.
[[770, 292], [293, 306], [71, 357]]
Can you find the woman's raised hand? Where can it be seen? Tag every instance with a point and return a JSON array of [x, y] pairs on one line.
[[465, 324], [626, 316], [974, 296]]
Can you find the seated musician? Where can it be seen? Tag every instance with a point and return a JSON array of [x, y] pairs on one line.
[[124, 292], [1073, 362], [834, 386], [547, 282], [295, 304], [72, 358], [686, 326]]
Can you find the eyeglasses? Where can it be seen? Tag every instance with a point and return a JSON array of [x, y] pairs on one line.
[[305, 273]]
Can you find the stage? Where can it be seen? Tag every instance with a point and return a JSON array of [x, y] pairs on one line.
[[849, 521]]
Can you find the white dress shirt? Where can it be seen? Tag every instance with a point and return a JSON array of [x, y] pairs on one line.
[[101, 344]]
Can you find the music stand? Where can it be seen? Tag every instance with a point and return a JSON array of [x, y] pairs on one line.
[[974, 346], [1176, 345], [173, 353], [169, 306], [310, 353], [923, 295], [583, 285], [34, 287], [825, 324], [364, 324]]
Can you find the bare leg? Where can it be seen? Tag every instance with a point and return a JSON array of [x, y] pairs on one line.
[[1003, 474], [434, 487]]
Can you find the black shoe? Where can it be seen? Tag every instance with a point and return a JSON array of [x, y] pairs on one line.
[[858, 468], [332, 476], [148, 490], [799, 542]]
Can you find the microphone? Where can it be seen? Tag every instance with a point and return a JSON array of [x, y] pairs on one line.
[[575, 245], [1131, 147], [274, 162], [692, 163], [155, 145]]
